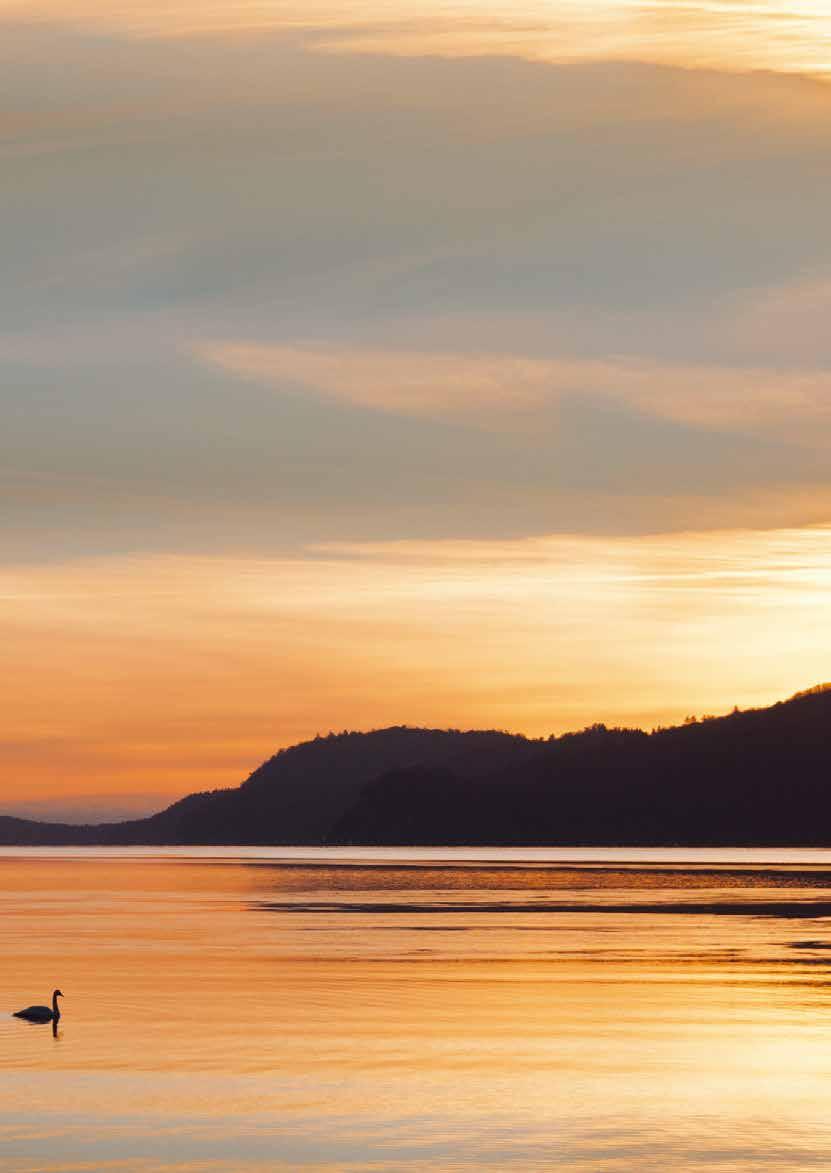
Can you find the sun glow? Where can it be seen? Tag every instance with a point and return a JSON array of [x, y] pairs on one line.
[[722, 34], [174, 674]]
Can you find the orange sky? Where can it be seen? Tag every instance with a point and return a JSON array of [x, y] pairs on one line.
[[462, 363], [152, 676]]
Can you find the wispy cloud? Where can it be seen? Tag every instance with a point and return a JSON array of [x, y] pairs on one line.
[[495, 389], [734, 34]]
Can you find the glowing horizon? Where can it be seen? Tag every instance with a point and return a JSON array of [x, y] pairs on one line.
[[716, 34], [195, 670]]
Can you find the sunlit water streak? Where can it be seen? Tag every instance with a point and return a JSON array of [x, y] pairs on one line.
[[355, 1009]]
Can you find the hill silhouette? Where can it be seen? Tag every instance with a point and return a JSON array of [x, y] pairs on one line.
[[756, 777], [297, 796]]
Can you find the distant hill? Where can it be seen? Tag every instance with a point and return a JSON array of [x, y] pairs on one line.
[[298, 795], [762, 776]]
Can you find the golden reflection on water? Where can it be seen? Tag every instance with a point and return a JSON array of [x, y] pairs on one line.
[[224, 1014]]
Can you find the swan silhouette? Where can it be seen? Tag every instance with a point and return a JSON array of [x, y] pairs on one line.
[[42, 1013]]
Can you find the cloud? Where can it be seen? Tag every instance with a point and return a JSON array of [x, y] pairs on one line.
[[535, 298], [140, 450], [263, 182], [495, 389], [785, 324], [730, 34]]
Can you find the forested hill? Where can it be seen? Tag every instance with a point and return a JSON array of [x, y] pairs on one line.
[[756, 777], [298, 795]]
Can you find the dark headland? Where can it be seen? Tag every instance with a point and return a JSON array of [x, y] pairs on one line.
[[761, 776]]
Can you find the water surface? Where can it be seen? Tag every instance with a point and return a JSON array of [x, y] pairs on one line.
[[257, 1009]]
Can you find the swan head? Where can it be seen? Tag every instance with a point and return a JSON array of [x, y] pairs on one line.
[[57, 994]]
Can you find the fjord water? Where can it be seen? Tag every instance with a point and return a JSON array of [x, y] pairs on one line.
[[284, 1009]]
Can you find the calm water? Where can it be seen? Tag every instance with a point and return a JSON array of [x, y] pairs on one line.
[[371, 1010]]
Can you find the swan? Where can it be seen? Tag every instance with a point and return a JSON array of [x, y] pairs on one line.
[[42, 1013]]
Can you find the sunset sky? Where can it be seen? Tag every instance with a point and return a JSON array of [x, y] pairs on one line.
[[458, 363]]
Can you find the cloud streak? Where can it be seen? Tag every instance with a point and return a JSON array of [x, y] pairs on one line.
[[493, 389], [790, 36]]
